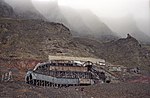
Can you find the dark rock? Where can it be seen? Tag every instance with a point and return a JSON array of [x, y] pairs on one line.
[[6, 10]]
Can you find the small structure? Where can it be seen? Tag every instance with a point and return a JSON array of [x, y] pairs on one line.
[[117, 68], [134, 70]]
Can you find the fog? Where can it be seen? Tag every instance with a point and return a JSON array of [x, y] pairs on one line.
[[139, 9], [111, 12]]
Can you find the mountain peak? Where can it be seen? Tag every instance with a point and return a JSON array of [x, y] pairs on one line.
[[131, 37], [129, 41]]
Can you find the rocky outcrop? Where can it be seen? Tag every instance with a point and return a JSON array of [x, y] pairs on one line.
[[124, 50], [6, 10]]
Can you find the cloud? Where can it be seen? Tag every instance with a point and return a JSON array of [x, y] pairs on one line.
[[139, 9]]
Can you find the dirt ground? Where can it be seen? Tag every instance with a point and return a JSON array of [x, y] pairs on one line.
[[18, 89]]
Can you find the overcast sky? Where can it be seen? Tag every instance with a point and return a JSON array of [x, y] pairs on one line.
[[111, 8], [139, 9]]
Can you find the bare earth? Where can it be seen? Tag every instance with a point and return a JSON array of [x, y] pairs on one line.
[[121, 90]]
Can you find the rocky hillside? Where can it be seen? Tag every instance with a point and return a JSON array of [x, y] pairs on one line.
[[127, 51], [36, 39], [81, 23]]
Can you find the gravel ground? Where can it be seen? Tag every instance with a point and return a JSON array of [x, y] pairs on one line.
[[122, 90]]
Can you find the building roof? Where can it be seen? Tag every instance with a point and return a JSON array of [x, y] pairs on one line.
[[93, 60]]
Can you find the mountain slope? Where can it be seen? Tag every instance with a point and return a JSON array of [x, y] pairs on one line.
[[36, 39], [20, 9], [84, 23], [99, 29], [81, 23], [125, 51], [125, 25]]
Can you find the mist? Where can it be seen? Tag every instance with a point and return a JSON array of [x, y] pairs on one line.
[[102, 12], [139, 9]]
